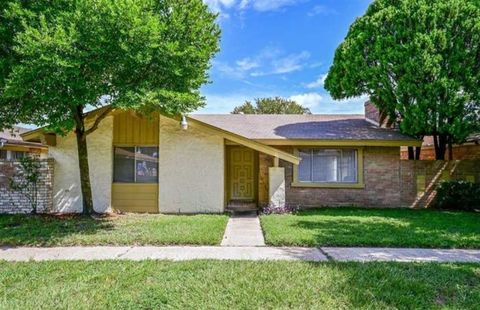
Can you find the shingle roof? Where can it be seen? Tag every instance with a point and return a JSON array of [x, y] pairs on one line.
[[301, 127], [13, 136]]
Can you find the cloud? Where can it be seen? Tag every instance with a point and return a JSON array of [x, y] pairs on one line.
[[269, 61], [283, 65], [309, 100], [239, 70], [321, 10], [266, 5], [219, 5], [319, 82]]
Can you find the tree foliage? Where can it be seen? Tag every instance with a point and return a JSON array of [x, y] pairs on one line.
[[275, 105], [58, 58], [419, 60]]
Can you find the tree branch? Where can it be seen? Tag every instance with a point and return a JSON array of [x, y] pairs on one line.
[[98, 120]]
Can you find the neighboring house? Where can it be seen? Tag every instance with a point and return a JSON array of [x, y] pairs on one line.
[[13, 147], [221, 161], [468, 150]]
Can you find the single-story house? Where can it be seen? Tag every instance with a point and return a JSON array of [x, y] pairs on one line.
[[13, 147], [157, 164]]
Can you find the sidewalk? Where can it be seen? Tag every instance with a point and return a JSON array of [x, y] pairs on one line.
[[243, 230], [180, 253]]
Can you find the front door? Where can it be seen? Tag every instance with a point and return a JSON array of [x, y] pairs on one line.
[[242, 174]]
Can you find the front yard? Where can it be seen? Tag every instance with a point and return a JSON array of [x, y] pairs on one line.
[[21, 230], [238, 285], [374, 227]]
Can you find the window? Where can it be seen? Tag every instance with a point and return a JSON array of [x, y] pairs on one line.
[[135, 164], [328, 166], [18, 155], [3, 154]]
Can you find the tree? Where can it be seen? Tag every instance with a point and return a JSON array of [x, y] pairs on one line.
[[274, 105], [26, 181], [59, 58], [418, 60]]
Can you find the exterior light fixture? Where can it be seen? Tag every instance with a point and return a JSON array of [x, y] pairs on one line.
[[184, 123], [3, 142]]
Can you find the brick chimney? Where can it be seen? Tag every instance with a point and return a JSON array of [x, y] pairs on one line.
[[372, 114]]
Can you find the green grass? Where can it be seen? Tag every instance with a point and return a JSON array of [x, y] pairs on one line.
[[24, 230], [374, 227], [237, 285]]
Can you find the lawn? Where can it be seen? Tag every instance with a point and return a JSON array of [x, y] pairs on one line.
[[132, 229], [374, 227], [237, 285]]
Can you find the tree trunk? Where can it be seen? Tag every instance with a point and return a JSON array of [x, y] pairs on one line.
[[418, 152], [83, 163], [410, 153], [450, 149], [440, 142]]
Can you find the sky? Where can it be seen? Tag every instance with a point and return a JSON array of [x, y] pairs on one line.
[[279, 48]]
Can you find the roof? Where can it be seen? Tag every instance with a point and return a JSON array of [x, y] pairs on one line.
[[302, 127], [13, 137]]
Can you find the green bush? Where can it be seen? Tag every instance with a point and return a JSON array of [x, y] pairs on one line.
[[460, 195]]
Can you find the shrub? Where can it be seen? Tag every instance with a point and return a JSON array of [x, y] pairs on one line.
[[460, 195]]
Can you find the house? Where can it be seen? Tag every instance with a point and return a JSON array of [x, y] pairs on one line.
[[155, 164], [467, 151], [13, 147]]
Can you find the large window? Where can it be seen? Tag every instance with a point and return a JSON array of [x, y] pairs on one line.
[[328, 166], [135, 164]]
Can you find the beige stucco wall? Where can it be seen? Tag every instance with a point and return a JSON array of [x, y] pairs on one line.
[[66, 188], [191, 172]]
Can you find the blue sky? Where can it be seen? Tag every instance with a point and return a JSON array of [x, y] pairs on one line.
[[279, 48]]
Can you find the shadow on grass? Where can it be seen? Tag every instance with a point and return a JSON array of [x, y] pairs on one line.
[[41, 230], [387, 227]]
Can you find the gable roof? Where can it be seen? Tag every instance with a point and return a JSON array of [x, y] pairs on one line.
[[13, 137], [304, 127]]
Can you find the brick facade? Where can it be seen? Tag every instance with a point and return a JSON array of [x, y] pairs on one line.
[[15, 202], [460, 152], [371, 112], [389, 181]]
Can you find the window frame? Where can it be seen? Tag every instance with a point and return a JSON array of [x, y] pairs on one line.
[[359, 184], [135, 146]]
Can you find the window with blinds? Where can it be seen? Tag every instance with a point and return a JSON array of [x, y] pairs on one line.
[[328, 166]]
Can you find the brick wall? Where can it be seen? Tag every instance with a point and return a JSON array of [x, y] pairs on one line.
[[15, 202], [420, 178], [460, 152], [389, 181], [371, 112]]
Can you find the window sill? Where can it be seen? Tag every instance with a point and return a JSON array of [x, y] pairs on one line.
[[328, 185]]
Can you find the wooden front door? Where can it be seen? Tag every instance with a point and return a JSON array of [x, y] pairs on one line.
[[242, 174]]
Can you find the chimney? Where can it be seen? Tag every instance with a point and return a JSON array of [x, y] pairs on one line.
[[372, 114]]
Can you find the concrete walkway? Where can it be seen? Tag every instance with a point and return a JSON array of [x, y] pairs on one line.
[[402, 255], [175, 253], [181, 253], [243, 229]]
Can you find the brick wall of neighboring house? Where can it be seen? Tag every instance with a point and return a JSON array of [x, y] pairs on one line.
[[16, 202], [389, 181], [371, 112], [420, 178], [460, 152]]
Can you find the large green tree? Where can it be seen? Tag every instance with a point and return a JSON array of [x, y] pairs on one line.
[[419, 60], [273, 105], [61, 57]]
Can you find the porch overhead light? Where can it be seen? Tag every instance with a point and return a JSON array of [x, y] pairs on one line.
[[184, 123], [3, 142]]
